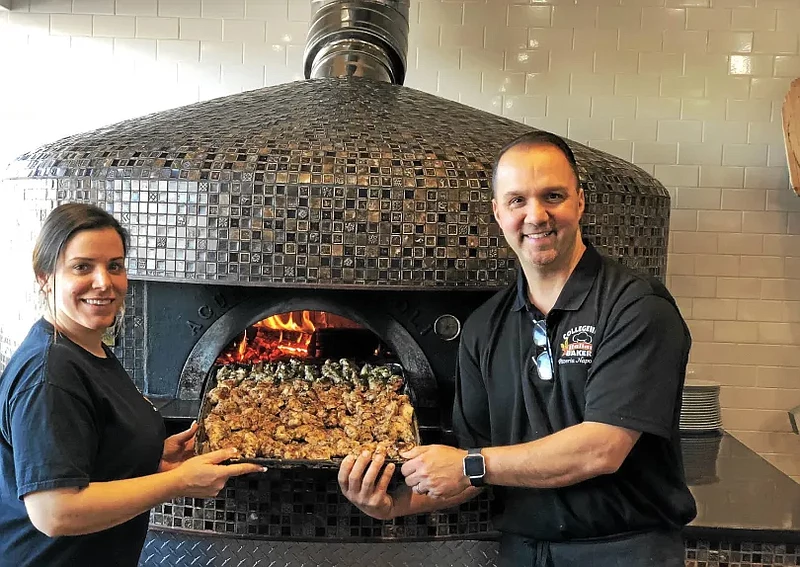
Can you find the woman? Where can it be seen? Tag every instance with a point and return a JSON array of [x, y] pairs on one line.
[[82, 452]]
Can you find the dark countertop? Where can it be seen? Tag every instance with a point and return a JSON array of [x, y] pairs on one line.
[[738, 493]]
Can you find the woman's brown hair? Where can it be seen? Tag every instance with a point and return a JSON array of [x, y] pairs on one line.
[[63, 223]]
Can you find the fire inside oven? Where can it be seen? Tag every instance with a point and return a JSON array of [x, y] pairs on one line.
[[307, 387], [305, 335]]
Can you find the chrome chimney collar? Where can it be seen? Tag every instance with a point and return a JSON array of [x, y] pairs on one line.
[[358, 38]]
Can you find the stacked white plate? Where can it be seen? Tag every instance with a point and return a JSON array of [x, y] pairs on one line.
[[700, 411]]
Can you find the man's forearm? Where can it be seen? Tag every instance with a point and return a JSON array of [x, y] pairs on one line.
[[564, 458]]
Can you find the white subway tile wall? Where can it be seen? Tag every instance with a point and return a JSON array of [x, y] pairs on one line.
[[690, 90]]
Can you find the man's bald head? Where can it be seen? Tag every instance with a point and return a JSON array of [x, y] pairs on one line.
[[531, 140]]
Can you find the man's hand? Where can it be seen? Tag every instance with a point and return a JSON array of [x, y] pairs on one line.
[[435, 470], [178, 448], [363, 484]]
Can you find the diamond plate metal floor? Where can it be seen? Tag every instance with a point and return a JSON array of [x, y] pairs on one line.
[[174, 549]]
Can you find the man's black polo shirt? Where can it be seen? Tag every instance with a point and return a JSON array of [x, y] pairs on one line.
[[619, 349]]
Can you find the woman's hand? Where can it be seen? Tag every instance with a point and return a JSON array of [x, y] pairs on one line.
[[363, 484], [203, 476], [178, 448]]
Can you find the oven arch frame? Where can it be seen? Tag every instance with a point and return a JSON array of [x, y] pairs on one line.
[[417, 369]]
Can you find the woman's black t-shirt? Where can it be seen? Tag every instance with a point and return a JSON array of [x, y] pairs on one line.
[[69, 418]]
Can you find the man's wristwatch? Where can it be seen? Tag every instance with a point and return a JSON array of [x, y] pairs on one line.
[[475, 467]]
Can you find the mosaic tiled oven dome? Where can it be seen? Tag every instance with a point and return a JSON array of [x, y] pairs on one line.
[[331, 182]]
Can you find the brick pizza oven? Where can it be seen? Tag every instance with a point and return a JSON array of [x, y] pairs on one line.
[[345, 194]]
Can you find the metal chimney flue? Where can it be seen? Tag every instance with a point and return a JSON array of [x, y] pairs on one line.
[[358, 38]]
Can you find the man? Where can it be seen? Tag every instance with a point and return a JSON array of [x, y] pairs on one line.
[[568, 394]]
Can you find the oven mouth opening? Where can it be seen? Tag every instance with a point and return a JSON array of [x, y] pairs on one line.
[[362, 331], [307, 388]]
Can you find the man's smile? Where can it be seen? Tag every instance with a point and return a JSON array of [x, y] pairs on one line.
[[539, 235]]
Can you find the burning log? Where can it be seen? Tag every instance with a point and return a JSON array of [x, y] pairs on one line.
[[302, 335]]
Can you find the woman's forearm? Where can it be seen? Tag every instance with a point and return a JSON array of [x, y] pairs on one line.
[[100, 505]]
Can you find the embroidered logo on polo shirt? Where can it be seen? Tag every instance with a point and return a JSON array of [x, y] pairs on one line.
[[577, 345]]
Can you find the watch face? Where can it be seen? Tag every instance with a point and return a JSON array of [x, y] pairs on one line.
[[474, 465]]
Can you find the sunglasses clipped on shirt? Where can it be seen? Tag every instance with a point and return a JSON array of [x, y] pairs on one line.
[[544, 363]]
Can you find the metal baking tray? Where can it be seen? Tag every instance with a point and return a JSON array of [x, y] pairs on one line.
[[201, 442]]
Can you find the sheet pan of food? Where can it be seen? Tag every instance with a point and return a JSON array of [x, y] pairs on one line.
[[295, 413]]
